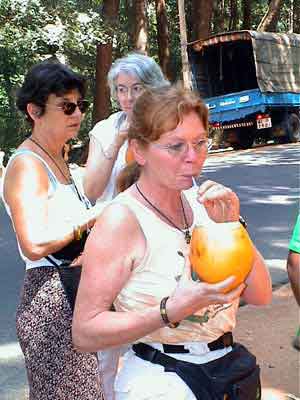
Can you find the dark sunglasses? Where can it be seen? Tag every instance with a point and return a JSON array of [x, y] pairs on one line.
[[69, 107]]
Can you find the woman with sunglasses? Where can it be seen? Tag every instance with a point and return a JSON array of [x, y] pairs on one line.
[[51, 218], [134, 258], [128, 77]]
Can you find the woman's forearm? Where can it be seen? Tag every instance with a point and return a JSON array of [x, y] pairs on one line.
[[110, 329], [99, 168], [259, 284], [293, 269], [49, 238]]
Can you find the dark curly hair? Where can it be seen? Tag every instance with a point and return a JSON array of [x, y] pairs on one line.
[[44, 79]]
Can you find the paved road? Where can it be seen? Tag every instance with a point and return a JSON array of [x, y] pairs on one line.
[[267, 181], [12, 375]]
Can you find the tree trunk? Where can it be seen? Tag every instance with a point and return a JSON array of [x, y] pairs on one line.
[[163, 38], [102, 95], [103, 62], [270, 19], [233, 21], [201, 18], [140, 25], [183, 41], [247, 12], [128, 7], [291, 17], [296, 17], [219, 15]]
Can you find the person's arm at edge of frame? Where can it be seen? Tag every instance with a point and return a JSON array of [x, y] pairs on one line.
[[94, 326], [100, 164], [293, 269], [259, 285]]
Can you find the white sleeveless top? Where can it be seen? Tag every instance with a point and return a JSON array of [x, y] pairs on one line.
[[63, 204], [154, 278], [105, 132]]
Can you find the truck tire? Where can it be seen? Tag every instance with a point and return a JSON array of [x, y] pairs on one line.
[[293, 128], [245, 138]]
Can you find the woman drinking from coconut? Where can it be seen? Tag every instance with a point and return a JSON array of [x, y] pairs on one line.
[[137, 258], [128, 77]]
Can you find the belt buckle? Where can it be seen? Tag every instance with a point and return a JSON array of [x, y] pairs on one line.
[[198, 348]]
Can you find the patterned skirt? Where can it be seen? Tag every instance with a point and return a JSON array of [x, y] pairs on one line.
[[55, 370]]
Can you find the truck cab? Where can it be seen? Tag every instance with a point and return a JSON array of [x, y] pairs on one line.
[[250, 82]]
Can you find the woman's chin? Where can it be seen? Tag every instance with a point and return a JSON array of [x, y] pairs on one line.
[[128, 111], [187, 182]]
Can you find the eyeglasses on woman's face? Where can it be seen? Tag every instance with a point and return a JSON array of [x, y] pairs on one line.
[[134, 90], [180, 149], [68, 107]]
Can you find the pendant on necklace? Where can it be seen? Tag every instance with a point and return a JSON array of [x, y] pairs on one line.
[[187, 236]]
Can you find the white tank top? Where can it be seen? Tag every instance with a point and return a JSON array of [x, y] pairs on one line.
[[63, 204], [154, 278]]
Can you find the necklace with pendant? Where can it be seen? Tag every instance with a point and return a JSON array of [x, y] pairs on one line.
[[186, 232]]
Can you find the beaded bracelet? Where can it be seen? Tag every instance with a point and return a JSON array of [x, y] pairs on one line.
[[164, 315]]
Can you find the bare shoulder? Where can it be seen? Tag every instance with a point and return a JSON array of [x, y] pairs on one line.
[[117, 217], [25, 173], [116, 238], [26, 162]]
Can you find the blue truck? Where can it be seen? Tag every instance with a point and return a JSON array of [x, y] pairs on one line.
[[250, 82]]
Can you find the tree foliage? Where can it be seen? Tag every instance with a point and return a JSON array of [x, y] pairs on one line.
[[34, 30]]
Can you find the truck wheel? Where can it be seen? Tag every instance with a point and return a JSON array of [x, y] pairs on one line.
[[293, 128], [245, 138]]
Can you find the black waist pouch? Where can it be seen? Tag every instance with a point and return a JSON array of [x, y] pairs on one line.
[[71, 250], [235, 376], [69, 277]]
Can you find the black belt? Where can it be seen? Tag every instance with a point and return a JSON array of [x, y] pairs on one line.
[[148, 353]]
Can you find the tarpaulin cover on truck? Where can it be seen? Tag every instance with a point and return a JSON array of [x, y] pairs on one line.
[[276, 57]]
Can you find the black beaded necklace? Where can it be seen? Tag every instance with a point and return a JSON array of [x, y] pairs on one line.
[[185, 231]]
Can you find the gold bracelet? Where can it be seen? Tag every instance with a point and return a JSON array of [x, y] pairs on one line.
[[164, 315], [77, 232]]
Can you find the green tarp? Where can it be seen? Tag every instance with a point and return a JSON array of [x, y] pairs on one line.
[[277, 60], [276, 57]]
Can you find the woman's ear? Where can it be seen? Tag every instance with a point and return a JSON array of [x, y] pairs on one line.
[[34, 111], [138, 151]]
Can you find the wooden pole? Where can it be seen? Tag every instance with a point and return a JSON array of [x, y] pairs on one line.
[[183, 41]]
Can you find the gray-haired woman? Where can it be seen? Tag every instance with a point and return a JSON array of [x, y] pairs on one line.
[[127, 79]]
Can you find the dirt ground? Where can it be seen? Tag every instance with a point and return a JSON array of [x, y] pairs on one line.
[[268, 333]]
